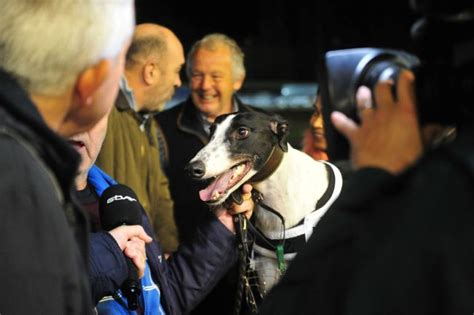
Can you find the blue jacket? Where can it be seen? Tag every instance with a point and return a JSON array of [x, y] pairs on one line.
[[117, 304], [184, 279]]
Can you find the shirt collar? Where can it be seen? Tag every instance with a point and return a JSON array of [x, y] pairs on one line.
[[128, 93]]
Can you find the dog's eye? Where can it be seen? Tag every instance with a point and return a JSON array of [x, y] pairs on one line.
[[242, 133]]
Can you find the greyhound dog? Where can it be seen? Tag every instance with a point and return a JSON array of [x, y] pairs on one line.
[[252, 147]]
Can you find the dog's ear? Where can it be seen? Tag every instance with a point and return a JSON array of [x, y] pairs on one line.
[[280, 127]]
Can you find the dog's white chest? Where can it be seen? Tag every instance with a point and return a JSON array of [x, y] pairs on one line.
[[293, 191]]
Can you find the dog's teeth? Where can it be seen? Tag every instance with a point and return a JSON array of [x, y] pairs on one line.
[[215, 195], [238, 169]]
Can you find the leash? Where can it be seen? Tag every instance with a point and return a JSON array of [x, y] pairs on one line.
[[279, 248], [244, 242], [242, 227], [257, 197], [270, 165], [241, 224]]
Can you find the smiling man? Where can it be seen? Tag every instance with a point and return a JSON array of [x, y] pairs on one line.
[[216, 71]]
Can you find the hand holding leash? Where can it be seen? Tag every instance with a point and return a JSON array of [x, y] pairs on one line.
[[226, 212], [239, 197]]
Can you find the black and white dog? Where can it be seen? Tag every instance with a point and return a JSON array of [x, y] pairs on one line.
[[252, 147]]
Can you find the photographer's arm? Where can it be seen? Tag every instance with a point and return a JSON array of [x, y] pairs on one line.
[[389, 135]]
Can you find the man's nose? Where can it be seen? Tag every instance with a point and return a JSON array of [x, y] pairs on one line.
[[206, 83], [177, 81]]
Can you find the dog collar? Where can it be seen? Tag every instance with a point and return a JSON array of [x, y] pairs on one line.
[[271, 164]]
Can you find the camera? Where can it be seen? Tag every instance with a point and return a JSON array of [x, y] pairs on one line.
[[443, 68], [343, 72]]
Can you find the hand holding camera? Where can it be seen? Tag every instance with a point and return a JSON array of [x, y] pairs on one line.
[[379, 141], [371, 87]]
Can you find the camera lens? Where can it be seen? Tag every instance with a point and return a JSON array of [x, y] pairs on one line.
[[344, 71]]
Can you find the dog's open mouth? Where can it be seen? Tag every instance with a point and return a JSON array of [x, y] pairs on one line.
[[222, 185]]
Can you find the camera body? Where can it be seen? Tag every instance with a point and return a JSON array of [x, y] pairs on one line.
[[444, 84], [443, 68], [343, 72]]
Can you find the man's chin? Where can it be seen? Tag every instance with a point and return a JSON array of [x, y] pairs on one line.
[[207, 110], [160, 107]]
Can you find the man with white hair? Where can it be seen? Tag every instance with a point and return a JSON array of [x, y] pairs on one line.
[[216, 71], [47, 84]]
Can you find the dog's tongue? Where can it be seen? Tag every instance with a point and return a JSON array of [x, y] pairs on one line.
[[219, 185]]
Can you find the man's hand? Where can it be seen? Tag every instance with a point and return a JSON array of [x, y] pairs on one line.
[[135, 250], [389, 134], [132, 239], [226, 215]]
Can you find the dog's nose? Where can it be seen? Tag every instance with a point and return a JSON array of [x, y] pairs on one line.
[[196, 169]]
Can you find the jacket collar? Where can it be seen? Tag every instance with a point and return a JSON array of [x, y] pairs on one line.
[[122, 103], [188, 121], [127, 92], [144, 121], [53, 149], [17, 103]]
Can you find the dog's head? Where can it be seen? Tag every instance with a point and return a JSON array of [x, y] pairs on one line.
[[240, 145]]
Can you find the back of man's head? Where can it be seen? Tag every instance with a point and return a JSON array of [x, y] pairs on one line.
[[214, 41], [148, 40], [153, 63], [45, 44]]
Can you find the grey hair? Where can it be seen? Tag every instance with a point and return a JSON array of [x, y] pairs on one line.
[[142, 47], [212, 42], [46, 44]]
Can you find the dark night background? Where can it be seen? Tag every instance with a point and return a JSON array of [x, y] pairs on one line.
[[282, 39]]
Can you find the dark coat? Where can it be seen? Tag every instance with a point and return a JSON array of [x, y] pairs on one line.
[[43, 256], [391, 245]]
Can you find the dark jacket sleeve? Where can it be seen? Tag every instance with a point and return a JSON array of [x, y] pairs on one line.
[[193, 270], [108, 268]]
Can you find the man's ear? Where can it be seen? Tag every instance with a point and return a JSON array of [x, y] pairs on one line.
[[150, 73], [238, 83], [280, 128], [90, 80]]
